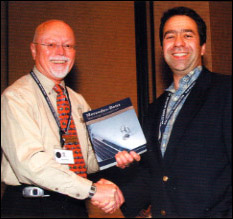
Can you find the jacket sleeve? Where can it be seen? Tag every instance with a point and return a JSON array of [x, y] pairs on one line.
[[136, 190]]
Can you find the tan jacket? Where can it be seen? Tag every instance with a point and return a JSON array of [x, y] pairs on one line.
[[29, 135]]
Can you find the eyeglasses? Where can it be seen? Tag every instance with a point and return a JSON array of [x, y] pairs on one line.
[[53, 46]]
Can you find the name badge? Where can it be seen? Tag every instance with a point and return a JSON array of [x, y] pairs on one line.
[[64, 156]]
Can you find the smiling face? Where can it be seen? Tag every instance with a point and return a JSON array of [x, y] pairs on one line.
[[181, 45], [54, 62]]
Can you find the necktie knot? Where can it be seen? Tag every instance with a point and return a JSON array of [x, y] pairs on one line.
[[58, 88]]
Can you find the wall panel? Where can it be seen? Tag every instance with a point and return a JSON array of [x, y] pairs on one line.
[[221, 31], [4, 49]]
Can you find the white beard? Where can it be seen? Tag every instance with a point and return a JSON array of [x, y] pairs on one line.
[[61, 73]]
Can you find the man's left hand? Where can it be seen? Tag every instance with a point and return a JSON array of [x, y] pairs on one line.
[[124, 159]]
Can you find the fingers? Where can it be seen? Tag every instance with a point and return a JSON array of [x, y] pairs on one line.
[[105, 181], [108, 196], [124, 159], [117, 199], [107, 206], [104, 191], [136, 156], [119, 196], [110, 208]]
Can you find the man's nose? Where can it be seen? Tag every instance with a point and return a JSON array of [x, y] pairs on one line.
[[179, 41]]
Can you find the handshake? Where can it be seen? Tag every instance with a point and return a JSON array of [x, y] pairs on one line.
[[108, 196]]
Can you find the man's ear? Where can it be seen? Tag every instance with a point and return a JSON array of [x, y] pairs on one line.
[[203, 48], [33, 50]]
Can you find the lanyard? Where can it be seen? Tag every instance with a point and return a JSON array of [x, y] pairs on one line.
[[61, 131], [164, 119]]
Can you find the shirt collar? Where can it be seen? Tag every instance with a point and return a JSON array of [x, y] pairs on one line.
[[186, 80], [47, 83]]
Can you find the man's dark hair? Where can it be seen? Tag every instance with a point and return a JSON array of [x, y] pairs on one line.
[[188, 12]]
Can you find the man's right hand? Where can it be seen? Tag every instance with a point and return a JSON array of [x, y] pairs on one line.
[[108, 196]]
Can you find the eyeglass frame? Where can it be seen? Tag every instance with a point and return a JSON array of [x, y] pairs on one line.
[[52, 45]]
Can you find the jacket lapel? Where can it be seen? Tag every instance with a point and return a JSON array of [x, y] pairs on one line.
[[153, 127], [191, 107]]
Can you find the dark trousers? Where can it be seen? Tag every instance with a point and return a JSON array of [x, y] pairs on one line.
[[14, 205]]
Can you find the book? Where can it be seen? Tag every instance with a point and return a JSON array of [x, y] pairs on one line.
[[113, 128]]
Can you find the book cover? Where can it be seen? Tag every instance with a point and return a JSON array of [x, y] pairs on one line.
[[114, 128]]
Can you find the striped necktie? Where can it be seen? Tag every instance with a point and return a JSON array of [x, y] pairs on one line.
[[70, 136]]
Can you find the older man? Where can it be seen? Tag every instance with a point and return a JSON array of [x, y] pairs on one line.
[[44, 142]]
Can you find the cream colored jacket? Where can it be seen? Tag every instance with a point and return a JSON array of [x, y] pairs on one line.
[[29, 135]]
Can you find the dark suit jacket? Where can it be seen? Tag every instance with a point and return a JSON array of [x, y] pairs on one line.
[[197, 161]]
